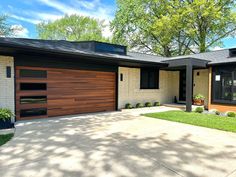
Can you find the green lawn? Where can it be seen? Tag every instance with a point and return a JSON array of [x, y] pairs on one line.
[[204, 120], [5, 138]]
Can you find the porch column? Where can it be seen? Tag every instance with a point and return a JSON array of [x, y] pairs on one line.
[[189, 83]]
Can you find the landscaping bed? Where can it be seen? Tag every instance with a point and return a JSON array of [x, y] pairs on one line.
[[204, 120]]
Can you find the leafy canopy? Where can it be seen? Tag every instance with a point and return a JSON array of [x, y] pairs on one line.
[[171, 28], [7, 30], [73, 28]]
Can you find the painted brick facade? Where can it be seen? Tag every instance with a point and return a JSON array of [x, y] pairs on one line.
[[129, 89], [7, 92]]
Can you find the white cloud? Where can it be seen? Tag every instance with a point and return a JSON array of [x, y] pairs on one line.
[[217, 48], [20, 31], [94, 9], [58, 6], [29, 20]]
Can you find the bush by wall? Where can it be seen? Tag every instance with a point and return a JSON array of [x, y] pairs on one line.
[[199, 110]]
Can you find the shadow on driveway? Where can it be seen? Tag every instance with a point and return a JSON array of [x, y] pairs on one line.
[[116, 144]]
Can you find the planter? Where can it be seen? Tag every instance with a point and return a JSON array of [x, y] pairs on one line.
[[198, 102], [6, 124]]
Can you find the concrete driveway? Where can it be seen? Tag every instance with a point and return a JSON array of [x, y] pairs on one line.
[[118, 144]]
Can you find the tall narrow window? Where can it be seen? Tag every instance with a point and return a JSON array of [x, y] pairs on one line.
[[149, 78]]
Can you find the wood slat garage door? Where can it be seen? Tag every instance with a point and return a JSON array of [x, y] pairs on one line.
[[48, 92]]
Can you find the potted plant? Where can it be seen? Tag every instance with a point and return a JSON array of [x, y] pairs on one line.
[[198, 100], [5, 118]]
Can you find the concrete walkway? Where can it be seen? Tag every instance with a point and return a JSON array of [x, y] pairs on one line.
[[118, 144]]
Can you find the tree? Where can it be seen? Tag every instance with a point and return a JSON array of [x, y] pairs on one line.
[[209, 21], [73, 28], [6, 29], [170, 28]]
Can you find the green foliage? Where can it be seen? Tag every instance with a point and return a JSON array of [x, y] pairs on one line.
[[5, 138], [171, 28], [204, 120], [128, 106], [199, 97], [199, 110], [148, 104], [217, 112], [139, 105], [231, 114], [6, 29], [157, 103], [72, 28], [5, 114]]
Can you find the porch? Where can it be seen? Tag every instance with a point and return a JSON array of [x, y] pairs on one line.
[[193, 79]]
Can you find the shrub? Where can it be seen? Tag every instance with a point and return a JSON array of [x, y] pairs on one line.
[[217, 112], [198, 97], [128, 106], [139, 105], [148, 104], [199, 110], [231, 114], [5, 114], [157, 103]]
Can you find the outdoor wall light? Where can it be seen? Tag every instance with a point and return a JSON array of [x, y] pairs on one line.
[[121, 77], [8, 72]]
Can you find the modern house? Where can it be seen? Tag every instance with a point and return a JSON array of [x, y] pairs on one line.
[[47, 78]]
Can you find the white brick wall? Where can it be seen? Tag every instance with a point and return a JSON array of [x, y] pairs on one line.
[[129, 89], [7, 93]]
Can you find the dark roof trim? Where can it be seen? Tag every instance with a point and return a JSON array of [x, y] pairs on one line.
[[109, 58]]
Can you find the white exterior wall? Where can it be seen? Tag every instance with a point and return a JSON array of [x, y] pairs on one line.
[[201, 82], [129, 89], [7, 92]]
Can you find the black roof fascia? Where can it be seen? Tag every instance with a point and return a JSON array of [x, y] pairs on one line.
[[13, 49], [181, 62]]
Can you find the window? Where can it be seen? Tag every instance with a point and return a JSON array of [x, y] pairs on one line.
[[224, 84], [33, 86], [33, 73], [232, 52], [149, 78], [33, 99], [33, 112]]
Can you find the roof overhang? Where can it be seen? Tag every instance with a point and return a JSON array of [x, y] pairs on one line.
[[119, 60], [181, 63]]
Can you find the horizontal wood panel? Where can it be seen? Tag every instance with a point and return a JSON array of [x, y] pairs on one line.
[[223, 107], [70, 91]]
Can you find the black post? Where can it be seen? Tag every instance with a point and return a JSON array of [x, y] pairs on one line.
[[189, 83]]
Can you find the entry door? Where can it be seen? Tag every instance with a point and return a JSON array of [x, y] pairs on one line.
[[182, 85]]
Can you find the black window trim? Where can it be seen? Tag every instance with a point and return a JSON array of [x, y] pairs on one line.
[[157, 78], [217, 101]]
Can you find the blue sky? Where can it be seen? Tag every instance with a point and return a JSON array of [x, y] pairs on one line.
[[28, 13]]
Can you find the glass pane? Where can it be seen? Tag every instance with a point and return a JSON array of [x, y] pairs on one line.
[[33, 99], [223, 86], [33, 112], [33, 86], [152, 80], [33, 73], [234, 87], [144, 79]]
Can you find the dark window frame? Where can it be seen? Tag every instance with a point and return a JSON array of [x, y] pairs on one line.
[[33, 112], [36, 74], [25, 86], [150, 83], [216, 70], [34, 99]]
